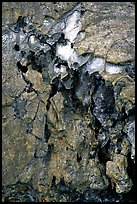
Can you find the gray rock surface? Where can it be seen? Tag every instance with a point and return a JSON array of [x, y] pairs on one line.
[[68, 100]]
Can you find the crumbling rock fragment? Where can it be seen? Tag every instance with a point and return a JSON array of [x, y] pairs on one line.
[[116, 170]]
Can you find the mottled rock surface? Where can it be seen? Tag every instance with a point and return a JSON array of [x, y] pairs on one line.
[[68, 101]]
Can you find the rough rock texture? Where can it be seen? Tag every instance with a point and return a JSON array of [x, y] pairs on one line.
[[68, 101]]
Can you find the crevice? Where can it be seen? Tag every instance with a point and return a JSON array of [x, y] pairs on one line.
[[16, 47], [48, 154], [47, 133], [24, 69], [54, 89], [53, 181], [48, 105], [79, 158], [102, 156]]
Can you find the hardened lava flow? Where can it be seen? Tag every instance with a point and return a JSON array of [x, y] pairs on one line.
[[73, 112]]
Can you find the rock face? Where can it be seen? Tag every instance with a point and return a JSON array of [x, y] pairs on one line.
[[68, 101]]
